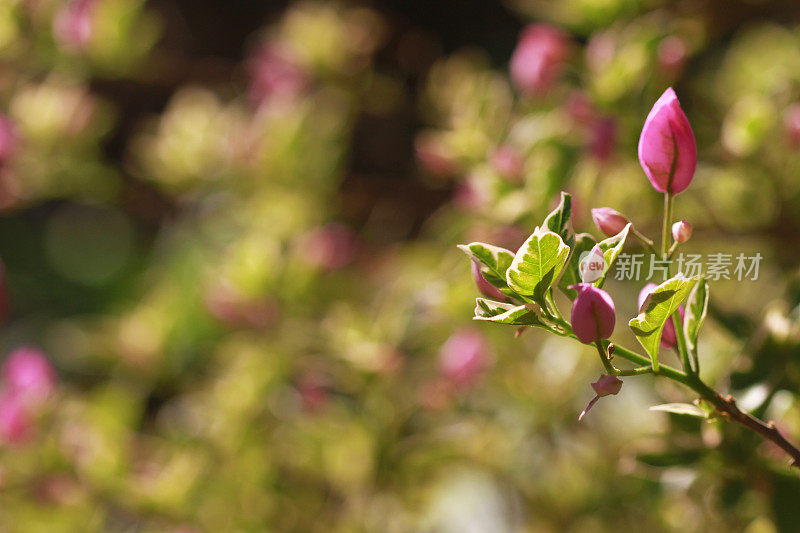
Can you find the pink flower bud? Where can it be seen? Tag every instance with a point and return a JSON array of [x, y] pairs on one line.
[[508, 163], [667, 149], [681, 231], [275, 74], [464, 357], [593, 315], [15, 421], [27, 373], [72, 27], [538, 58], [669, 339], [609, 221], [486, 288], [607, 385]]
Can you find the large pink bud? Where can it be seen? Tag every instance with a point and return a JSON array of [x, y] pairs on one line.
[[593, 315], [15, 421], [667, 149], [669, 338], [28, 374], [538, 58], [464, 357]]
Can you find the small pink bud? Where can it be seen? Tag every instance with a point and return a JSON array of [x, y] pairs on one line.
[[72, 27], [668, 337], [667, 149], [464, 357], [593, 315], [486, 288], [275, 74], [508, 163], [609, 221], [15, 422], [605, 385], [538, 59], [27, 373], [330, 247], [681, 231]]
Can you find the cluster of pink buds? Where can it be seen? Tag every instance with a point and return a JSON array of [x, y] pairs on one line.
[[28, 380]]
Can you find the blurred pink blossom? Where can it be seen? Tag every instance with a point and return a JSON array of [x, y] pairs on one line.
[[464, 357], [28, 374], [330, 247], [275, 73], [15, 420], [72, 26], [538, 59]]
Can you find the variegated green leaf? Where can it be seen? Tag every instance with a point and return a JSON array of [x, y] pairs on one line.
[[503, 313], [611, 248], [558, 220], [696, 310], [493, 262], [537, 264], [659, 305]]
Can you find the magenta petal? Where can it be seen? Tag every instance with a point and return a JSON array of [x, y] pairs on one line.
[[667, 148]]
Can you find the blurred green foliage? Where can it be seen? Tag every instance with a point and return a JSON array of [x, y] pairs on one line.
[[235, 355]]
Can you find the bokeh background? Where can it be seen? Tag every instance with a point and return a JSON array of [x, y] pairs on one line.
[[230, 279]]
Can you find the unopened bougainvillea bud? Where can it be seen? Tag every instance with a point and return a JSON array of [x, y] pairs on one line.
[[609, 221], [668, 337], [538, 58], [606, 385], [667, 149], [464, 357], [486, 288], [28, 374], [593, 315], [681, 231]]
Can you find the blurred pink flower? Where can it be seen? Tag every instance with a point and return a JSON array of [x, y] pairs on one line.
[[538, 59], [28, 374], [464, 357], [15, 422], [434, 157], [9, 141], [791, 125], [603, 138], [507, 162], [330, 247], [672, 55], [593, 316], [667, 149], [72, 26], [275, 73]]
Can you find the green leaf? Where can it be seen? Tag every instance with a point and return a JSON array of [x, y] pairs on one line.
[[558, 220], [503, 313], [696, 310], [611, 248], [493, 262], [584, 242], [537, 264], [687, 409], [656, 309]]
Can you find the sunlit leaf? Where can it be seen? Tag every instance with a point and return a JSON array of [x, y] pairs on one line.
[[611, 248], [696, 310], [687, 409], [503, 313], [659, 305], [493, 262], [537, 264]]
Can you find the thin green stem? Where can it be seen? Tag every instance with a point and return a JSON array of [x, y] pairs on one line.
[[665, 230], [602, 349], [644, 240]]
